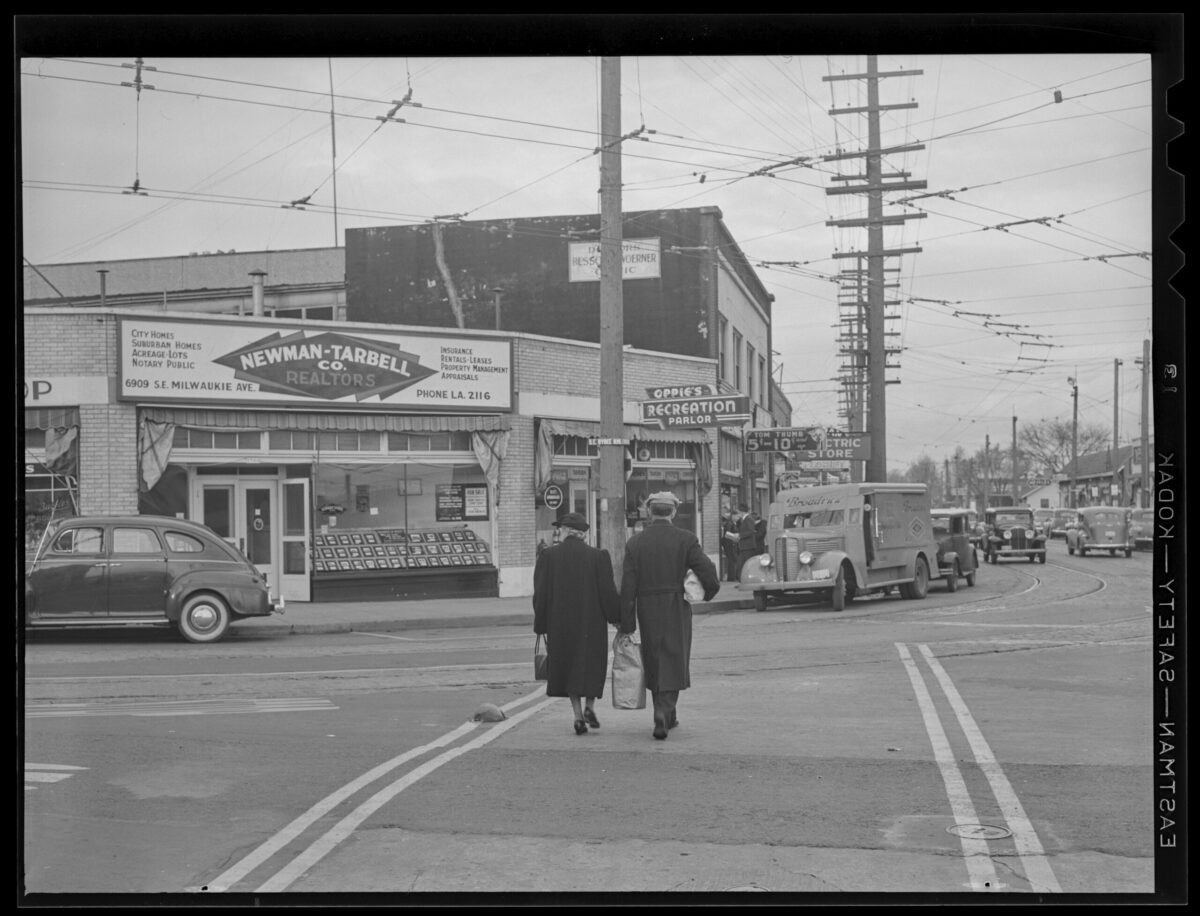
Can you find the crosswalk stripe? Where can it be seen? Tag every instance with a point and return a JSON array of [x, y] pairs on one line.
[[179, 708]]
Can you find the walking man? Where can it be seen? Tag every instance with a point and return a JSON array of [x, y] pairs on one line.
[[747, 539], [656, 563], [574, 599]]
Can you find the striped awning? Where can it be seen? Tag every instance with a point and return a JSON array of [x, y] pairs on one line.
[[51, 417], [227, 420], [591, 429]]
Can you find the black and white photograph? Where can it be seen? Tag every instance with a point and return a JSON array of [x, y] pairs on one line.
[[862, 333]]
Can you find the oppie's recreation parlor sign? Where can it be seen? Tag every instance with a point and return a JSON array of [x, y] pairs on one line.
[[280, 364]]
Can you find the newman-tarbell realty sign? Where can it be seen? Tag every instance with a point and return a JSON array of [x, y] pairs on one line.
[[271, 363]]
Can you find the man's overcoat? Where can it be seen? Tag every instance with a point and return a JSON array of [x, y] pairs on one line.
[[572, 586], [656, 562]]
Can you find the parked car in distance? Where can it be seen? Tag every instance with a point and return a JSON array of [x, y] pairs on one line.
[[145, 570], [956, 556], [1010, 533], [1100, 528], [1141, 528], [1041, 520], [1060, 521]]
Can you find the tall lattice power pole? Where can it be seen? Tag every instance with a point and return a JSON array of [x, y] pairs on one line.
[[876, 325]]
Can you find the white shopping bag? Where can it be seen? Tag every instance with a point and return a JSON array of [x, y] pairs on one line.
[[628, 678]]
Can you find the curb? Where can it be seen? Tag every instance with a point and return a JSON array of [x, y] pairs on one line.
[[283, 627]]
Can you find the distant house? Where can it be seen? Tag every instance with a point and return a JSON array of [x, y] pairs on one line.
[[1042, 496], [1112, 477]]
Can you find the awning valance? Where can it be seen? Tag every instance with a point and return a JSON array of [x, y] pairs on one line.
[[591, 428], [51, 417], [224, 420]]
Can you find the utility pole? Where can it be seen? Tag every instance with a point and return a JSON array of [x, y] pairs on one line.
[[611, 524], [1116, 397], [876, 317], [1145, 497], [1014, 461], [987, 469], [1074, 441]]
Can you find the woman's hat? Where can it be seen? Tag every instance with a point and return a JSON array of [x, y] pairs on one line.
[[572, 520]]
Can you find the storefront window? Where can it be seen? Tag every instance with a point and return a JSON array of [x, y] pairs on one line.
[[646, 480], [394, 516], [48, 496]]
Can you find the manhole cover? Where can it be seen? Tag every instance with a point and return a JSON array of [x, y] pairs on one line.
[[979, 831]]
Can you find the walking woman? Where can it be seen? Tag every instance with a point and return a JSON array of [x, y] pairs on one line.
[[574, 598]]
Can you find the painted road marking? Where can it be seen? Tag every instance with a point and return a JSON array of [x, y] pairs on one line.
[[288, 834], [1029, 848], [980, 869], [223, 707], [48, 772], [344, 828]]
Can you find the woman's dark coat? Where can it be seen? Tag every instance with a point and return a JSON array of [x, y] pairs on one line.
[[572, 588], [656, 563]]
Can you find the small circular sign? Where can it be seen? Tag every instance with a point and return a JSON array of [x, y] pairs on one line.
[[258, 524], [553, 496]]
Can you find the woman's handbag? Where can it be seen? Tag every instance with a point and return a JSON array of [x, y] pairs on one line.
[[541, 658], [628, 678]]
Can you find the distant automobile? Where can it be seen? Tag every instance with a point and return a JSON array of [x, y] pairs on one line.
[[1010, 533], [1141, 528], [1099, 528], [1041, 520], [145, 570], [956, 556], [1060, 521]]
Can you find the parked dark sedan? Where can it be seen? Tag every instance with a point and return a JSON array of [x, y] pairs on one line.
[[142, 570], [1141, 528], [956, 554], [1010, 533]]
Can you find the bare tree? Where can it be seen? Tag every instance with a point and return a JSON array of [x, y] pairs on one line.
[[1048, 444]]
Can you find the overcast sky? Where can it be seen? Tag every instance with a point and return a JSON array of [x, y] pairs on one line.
[[1035, 263]]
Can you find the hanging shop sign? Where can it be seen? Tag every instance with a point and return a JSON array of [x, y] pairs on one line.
[[552, 496], [640, 260], [810, 443], [66, 390], [691, 406], [460, 502], [276, 364]]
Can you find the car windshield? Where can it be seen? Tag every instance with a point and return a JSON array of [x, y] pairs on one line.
[[1012, 518], [819, 518], [941, 527], [1107, 518]]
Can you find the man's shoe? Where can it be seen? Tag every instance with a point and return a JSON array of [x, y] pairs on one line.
[[589, 716], [660, 728]]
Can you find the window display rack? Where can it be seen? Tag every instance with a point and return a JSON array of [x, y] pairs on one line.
[[397, 549]]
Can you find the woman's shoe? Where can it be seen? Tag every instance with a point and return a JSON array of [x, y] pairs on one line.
[[589, 716], [580, 727]]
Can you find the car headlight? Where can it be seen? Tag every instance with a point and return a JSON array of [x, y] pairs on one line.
[[765, 560], [805, 557], [1028, 532], [1008, 535]]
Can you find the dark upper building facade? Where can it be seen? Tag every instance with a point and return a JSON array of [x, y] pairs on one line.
[[545, 273]]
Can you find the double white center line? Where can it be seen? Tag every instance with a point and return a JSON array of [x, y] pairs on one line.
[[980, 868]]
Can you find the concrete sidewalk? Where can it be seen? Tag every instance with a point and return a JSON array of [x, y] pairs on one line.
[[384, 616]]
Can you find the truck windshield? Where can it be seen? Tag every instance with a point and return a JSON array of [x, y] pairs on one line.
[[818, 519]]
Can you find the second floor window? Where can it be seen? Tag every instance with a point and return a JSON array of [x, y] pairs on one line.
[[750, 371], [737, 361]]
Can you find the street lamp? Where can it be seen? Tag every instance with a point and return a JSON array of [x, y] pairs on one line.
[[1074, 440]]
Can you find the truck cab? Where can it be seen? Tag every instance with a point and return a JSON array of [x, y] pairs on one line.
[[844, 540]]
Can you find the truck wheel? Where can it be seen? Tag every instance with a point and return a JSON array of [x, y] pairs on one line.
[[760, 601], [952, 579], [838, 597], [919, 586]]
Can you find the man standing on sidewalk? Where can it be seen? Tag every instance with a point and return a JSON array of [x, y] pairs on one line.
[[656, 562]]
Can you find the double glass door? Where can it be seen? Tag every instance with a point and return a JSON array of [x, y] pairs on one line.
[[268, 520]]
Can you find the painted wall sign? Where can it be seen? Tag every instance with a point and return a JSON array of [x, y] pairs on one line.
[[272, 363], [66, 390], [640, 260]]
